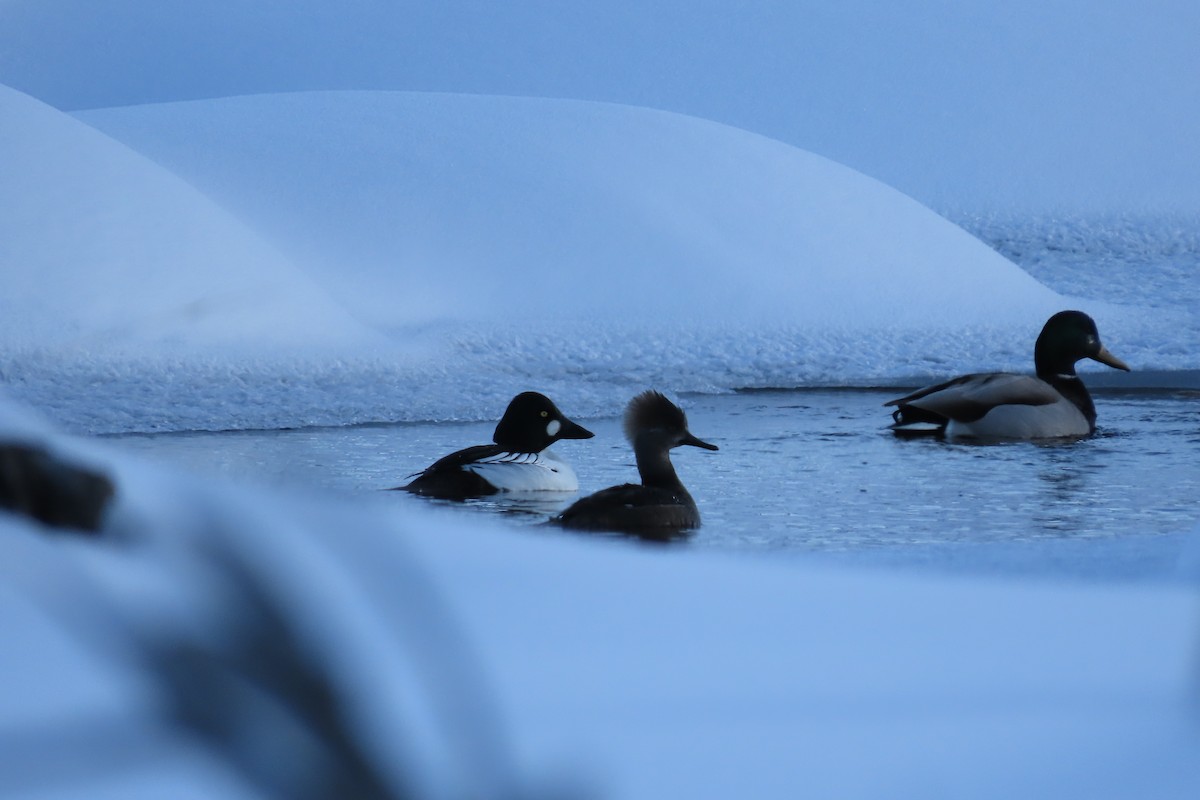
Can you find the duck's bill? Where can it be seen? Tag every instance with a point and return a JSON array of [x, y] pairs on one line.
[[1105, 357], [570, 430], [694, 442]]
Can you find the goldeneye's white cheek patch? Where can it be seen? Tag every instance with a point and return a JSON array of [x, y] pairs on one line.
[[553, 428]]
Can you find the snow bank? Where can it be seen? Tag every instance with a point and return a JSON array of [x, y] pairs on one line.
[[360, 256], [419, 207], [383, 256], [706, 678], [468, 660], [100, 249]]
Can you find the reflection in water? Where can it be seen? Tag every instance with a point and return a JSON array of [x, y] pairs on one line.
[[538, 506], [1066, 482]]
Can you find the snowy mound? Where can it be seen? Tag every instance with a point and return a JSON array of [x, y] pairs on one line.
[[101, 249], [447, 251], [414, 207]]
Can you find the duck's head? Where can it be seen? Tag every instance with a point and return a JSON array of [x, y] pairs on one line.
[[1067, 337], [650, 418], [531, 423]]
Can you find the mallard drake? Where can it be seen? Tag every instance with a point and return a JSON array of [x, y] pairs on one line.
[[1054, 403], [658, 507]]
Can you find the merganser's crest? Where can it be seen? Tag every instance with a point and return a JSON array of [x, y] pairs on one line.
[[652, 411]]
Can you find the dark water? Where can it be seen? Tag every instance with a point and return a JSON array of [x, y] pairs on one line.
[[817, 472]]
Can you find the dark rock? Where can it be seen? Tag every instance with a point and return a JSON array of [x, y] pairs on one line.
[[38, 484]]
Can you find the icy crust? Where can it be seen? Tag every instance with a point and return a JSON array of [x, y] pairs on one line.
[[474, 371], [470, 371], [1102, 255], [466, 372], [1137, 259]]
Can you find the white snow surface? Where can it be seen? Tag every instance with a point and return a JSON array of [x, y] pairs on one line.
[[341, 257], [103, 250], [577, 667], [422, 207]]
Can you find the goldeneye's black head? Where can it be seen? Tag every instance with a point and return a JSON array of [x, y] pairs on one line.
[[1067, 337], [531, 423], [650, 415]]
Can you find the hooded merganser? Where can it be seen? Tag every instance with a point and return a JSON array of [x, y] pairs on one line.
[[517, 462], [1000, 405], [660, 506]]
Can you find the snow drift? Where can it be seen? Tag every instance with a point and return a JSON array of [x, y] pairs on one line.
[[329, 258], [104, 250], [419, 206], [507, 241]]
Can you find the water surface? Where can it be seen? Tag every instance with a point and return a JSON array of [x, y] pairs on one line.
[[814, 472]]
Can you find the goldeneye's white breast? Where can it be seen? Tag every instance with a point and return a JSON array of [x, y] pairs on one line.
[[526, 472]]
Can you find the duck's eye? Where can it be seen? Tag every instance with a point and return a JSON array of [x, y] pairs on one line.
[[545, 414]]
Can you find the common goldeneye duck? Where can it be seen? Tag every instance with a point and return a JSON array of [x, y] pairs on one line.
[[1000, 405], [518, 461], [660, 506]]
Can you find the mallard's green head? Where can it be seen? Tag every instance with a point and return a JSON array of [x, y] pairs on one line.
[[1067, 337]]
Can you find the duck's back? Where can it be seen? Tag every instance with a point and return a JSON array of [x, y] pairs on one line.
[[448, 477], [632, 508]]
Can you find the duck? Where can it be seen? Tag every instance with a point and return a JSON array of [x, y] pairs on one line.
[[659, 507], [1051, 404], [518, 460]]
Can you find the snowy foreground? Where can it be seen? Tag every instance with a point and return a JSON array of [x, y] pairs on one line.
[[489, 662]]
